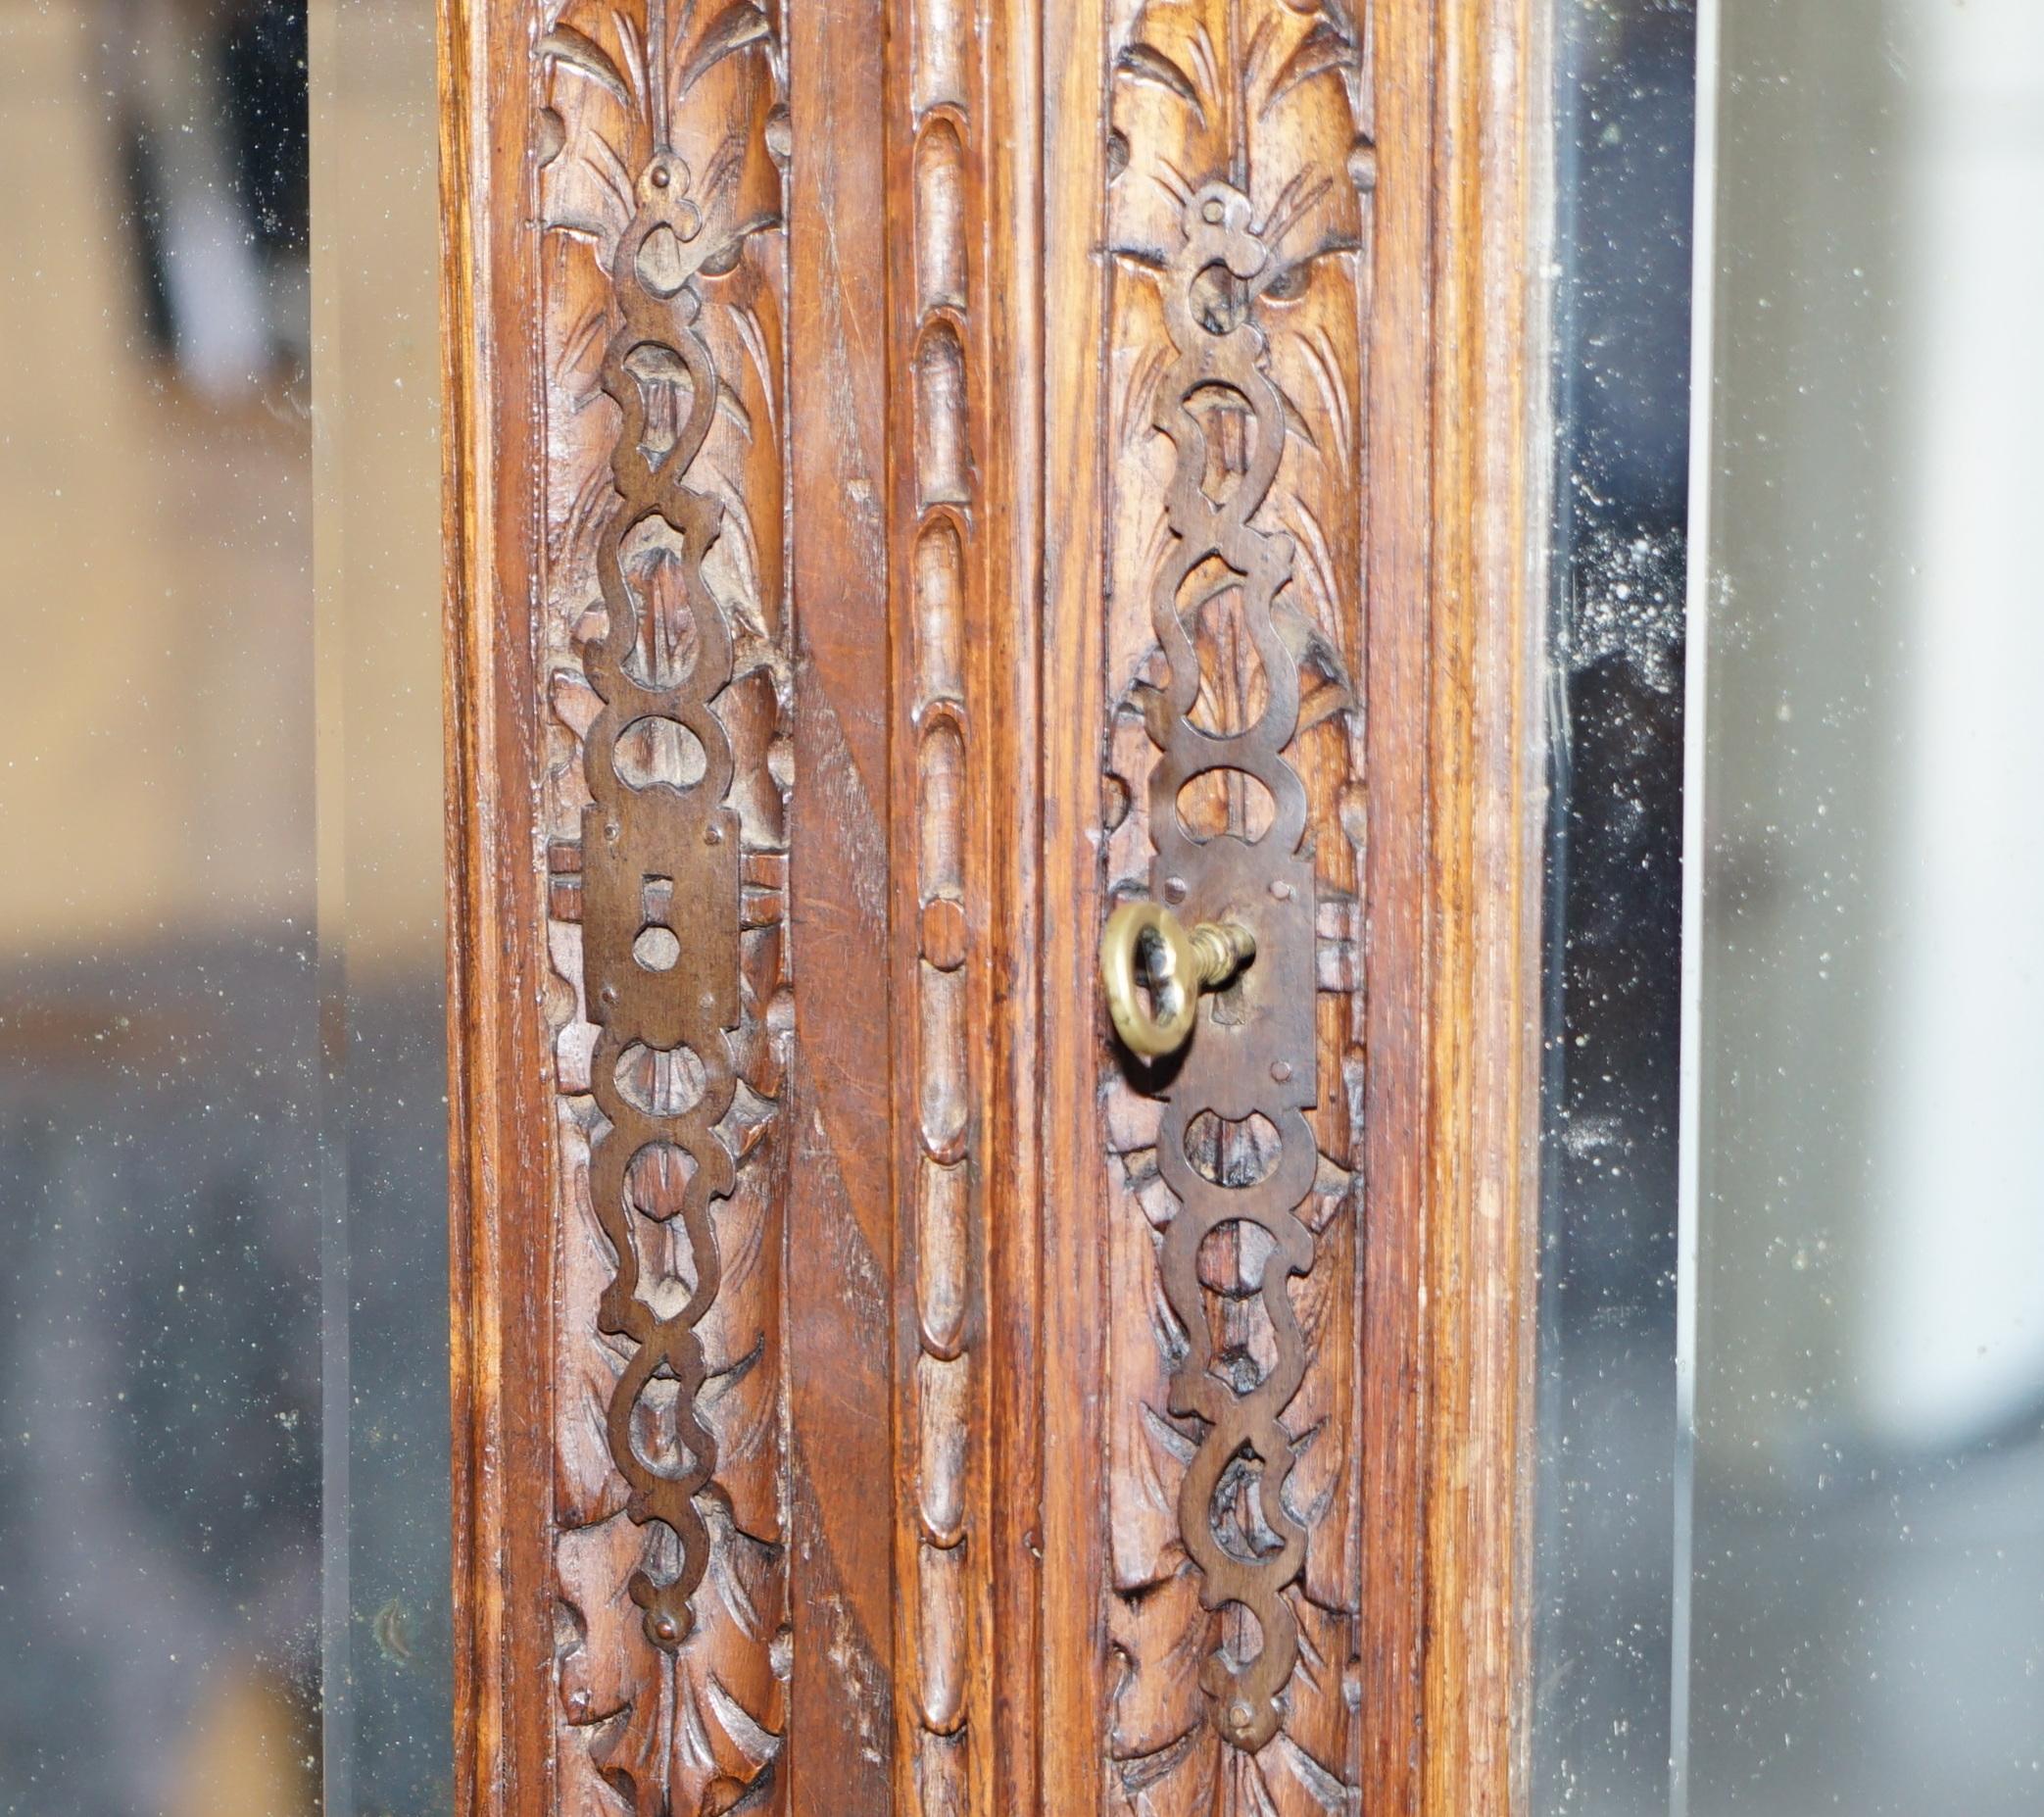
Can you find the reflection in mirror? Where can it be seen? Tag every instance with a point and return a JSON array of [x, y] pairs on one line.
[[1604, 1497], [1863, 1576], [221, 1058], [1851, 1363], [388, 1693]]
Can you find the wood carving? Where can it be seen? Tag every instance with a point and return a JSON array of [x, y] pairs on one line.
[[1239, 171], [944, 1413], [664, 131], [937, 609]]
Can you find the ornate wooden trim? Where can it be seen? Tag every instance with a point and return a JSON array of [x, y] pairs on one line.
[[923, 1545], [567, 1697], [1211, 421], [940, 606], [1422, 1130], [663, 134], [1238, 217]]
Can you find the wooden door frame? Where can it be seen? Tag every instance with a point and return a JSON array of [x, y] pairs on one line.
[[1456, 402]]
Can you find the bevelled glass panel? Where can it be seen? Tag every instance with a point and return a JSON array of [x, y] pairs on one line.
[[1862, 1623], [1603, 1586], [375, 261], [1827, 1591], [224, 1440]]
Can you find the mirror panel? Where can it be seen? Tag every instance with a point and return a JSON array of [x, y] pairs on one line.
[[1791, 1431], [223, 1502]]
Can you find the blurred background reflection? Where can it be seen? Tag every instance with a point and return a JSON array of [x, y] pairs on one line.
[[1791, 1544], [1865, 1574], [222, 1326]]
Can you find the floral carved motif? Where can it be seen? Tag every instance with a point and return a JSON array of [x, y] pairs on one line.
[[1240, 171], [663, 132]]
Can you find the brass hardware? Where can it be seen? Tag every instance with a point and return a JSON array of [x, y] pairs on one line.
[[1144, 943]]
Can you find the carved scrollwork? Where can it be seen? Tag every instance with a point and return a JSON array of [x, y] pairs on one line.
[[1238, 165], [663, 191]]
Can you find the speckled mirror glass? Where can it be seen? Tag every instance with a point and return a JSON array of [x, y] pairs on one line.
[[1790, 1438], [223, 1452]]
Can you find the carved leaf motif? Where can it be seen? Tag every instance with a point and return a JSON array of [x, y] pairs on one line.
[[725, 67], [1260, 101], [592, 86], [740, 466], [577, 51], [682, 1732], [1146, 1466], [587, 1486], [660, 192], [1275, 111], [1321, 1412], [1254, 92], [739, 1401], [1147, 63], [729, 32], [1171, 1762], [1169, 1758], [1330, 44]]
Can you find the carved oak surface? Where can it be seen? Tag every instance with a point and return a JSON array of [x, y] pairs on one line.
[[940, 615], [663, 133], [672, 679], [1240, 171], [784, 1308]]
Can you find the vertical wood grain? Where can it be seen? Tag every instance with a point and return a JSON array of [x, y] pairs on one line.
[[1011, 821], [1397, 918], [952, 336], [1483, 861], [500, 1077], [843, 1440], [1072, 1665]]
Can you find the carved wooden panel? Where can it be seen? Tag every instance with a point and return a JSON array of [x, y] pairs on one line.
[[662, 137], [921, 471], [936, 81], [1239, 171], [723, 1224]]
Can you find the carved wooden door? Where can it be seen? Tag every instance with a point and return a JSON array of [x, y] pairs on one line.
[[923, 474]]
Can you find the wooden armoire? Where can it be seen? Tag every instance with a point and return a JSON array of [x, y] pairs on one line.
[[989, 601]]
